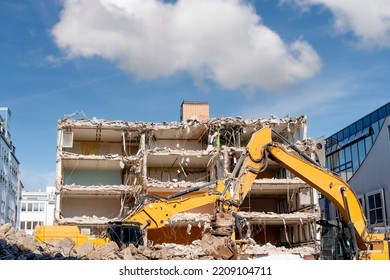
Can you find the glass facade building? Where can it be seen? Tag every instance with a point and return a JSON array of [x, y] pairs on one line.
[[360, 154], [346, 150]]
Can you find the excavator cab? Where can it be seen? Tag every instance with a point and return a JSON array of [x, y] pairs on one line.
[[125, 233]]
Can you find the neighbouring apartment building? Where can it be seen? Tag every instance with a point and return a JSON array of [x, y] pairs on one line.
[[360, 153], [10, 184], [37, 208], [104, 166]]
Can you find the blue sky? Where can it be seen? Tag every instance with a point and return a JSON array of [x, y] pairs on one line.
[[138, 60]]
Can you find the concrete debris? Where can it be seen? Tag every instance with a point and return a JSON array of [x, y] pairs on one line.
[[272, 215], [168, 151], [124, 159], [21, 246], [267, 250], [308, 145], [152, 183], [84, 220], [193, 218], [17, 245], [103, 188], [211, 123], [203, 219], [284, 181]]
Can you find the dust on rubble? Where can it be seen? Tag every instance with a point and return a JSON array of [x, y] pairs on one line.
[[17, 245]]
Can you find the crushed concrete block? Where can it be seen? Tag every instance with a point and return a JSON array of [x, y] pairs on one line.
[[84, 250], [105, 252], [4, 229], [126, 254], [26, 242], [66, 246], [145, 251], [19, 245]]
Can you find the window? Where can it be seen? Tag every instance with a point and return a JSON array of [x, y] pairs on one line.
[[382, 112], [362, 152], [346, 133], [359, 125], [388, 128], [67, 139], [374, 117], [347, 152], [33, 207], [342, 157], [366, 121], [2, 207], [30, 225], [34, 224], [368, 142], [375, 208], [355, 157]]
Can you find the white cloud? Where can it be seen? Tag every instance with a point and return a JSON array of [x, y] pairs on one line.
[[369, 20], [223, 41]]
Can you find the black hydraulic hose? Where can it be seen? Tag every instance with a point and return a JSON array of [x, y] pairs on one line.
[[350, 223], [295, 148], [190, 190]]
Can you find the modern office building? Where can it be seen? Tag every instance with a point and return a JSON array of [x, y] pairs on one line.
[[10, 184], [37, 208], [360, 154]]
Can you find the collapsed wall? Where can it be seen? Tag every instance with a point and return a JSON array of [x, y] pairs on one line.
[[103, 167]]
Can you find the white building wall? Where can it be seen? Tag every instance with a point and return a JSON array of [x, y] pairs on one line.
[[37, 208], [10, 186], [374, 173]]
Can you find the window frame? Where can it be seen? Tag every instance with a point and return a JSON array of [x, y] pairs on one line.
[[382, 199]]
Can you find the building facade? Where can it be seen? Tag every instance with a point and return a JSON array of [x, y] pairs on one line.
[[10, 184], [360, 153], [37, 208], [103, 167]]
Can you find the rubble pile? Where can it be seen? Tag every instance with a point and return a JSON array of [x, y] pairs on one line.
[[17, 245], [302, 252]]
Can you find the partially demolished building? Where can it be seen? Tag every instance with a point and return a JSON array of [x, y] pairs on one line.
[[104, 166]]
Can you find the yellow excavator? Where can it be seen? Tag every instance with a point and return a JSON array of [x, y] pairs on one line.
[[347, 238]]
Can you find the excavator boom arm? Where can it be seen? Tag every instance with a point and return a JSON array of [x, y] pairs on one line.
[[261, 147], [156, 214], [328, 184]]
